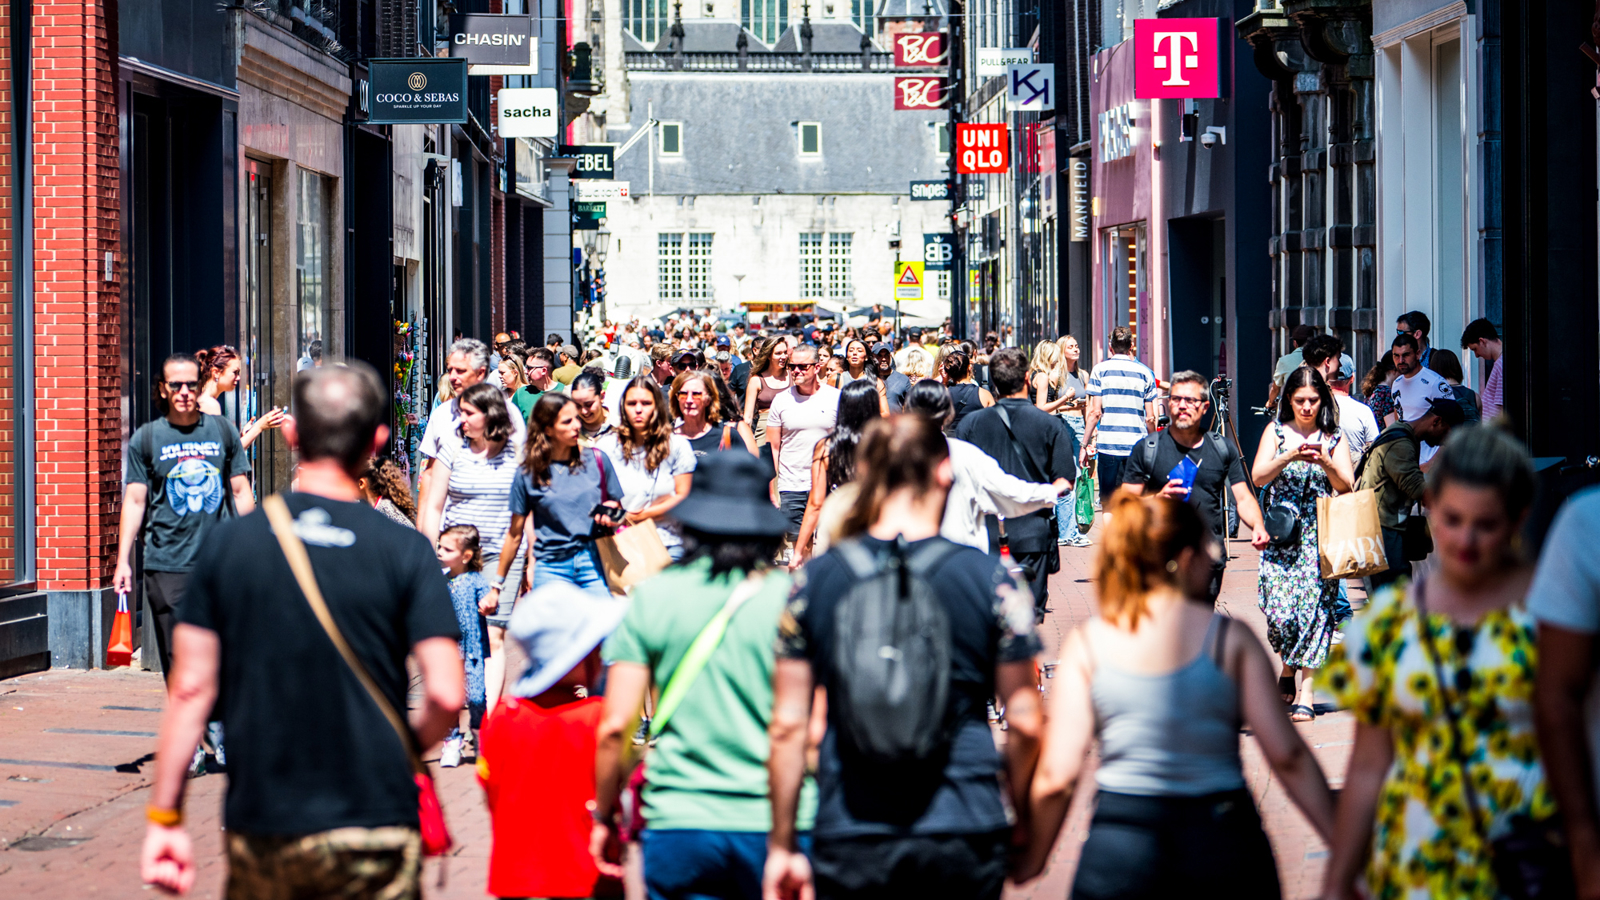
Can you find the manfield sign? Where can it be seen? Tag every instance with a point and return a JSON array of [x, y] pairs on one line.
[[427, 91]]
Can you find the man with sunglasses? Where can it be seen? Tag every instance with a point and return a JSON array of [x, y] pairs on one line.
[[187, 473], [1184, 462], [799, 418]]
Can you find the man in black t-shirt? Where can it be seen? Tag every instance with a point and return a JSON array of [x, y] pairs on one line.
[[320, 792], [187, 474], [1216, 467]]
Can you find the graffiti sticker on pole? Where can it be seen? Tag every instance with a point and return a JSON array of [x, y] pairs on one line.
[[918, 92], [982, 149], [1031, 87]]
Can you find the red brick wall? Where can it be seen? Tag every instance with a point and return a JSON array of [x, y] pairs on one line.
[[77, 313], [8, 382]]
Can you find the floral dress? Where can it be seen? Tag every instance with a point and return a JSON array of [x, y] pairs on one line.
[[1298, 602], [466, 590], [1381, 402], [1424, 843]]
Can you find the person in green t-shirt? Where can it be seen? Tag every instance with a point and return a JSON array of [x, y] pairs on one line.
[[706, 804]]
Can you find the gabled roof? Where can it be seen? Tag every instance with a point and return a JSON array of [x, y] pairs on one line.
[[898, 9], [826, 37]]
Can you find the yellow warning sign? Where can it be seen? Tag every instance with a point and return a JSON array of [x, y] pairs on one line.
[[908, 281]]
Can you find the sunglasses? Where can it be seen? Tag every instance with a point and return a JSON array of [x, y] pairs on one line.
[[1186, 401], [801, 367], [180, 386]]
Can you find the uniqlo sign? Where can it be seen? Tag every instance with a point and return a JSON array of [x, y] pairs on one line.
[[1176, 59], [982, 149]]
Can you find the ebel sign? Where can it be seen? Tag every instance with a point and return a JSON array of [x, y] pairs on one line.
[[483, 39], [424, 90], [528, 112], [1176, 59], [594, 161]]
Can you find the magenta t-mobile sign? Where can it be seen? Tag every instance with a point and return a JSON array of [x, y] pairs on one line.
[[1176, 59]]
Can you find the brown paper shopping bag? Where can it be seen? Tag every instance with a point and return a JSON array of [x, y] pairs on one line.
[[632, 555], [1349, 539]]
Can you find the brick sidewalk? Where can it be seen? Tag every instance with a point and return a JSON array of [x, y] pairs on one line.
[[75, 765]]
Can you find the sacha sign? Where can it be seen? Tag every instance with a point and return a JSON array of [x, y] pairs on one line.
[[1177, 59], [982, 149]]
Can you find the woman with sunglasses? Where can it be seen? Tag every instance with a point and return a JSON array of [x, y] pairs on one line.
[[697, 408], [1300, 458], [1440, 675]]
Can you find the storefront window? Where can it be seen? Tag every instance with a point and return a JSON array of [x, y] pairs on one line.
[[1126, 284], [311, 276]]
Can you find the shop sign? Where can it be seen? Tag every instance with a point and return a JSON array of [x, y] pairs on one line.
[[938, 252], [594, 160], [529, 159], [994, 61], [1176, 59], [1078, 198], [921, 49], [585, 221], [596, 208], [1031, 87], [528, 112], [424, 90], [1049, 178], [930, 190], [977, 190], [908, 280], [492, 39], [982, 149], [917, 92], [596, 190], [1115, 132]]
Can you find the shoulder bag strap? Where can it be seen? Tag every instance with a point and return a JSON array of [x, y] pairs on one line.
[[1425, 637], [277, 513], [600, 463], [700, 649], [1021, 451]]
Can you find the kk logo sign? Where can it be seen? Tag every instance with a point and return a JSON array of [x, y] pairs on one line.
[[1176, 59], [1031, 86], [916, 92], [982, 149], [922, 49]]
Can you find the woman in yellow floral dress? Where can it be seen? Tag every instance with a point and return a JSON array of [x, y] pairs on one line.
[[1403, 810]]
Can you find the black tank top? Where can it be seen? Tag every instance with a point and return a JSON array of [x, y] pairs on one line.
[[966, 400]]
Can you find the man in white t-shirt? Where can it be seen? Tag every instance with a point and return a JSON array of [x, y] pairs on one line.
[[799, 418], [466, 364], [1357, 424], [1416, 387], [1565, 598]]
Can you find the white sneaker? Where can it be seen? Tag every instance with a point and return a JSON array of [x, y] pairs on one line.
[[214, 733], [450, 756], [197, 766], [1080, 540]]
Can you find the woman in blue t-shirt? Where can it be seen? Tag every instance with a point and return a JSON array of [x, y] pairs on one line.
[[557, 489]]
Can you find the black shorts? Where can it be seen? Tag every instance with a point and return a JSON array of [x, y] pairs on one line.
[[950, 867], [1156, 848]]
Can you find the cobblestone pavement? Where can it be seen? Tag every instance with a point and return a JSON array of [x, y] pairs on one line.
[[75, 762]]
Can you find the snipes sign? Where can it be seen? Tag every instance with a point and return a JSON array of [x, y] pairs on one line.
[[1177, 59], [427, 91]]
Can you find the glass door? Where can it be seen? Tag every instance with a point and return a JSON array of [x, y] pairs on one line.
[[259, 388]]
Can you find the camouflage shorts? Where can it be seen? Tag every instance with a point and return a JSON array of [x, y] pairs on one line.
[[352, 863]]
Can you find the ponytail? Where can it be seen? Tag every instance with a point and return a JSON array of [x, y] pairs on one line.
[[1139, 552], [904, 450]]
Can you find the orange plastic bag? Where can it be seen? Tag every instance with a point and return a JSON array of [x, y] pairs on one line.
[[120, 651]]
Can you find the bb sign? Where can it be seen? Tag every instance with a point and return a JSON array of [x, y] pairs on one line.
[[1176, 59], [527, 112], [423, 91]]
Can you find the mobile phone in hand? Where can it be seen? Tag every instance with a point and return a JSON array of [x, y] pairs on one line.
[[615, 513]]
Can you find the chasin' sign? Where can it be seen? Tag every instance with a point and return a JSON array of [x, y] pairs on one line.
[[982, 149]]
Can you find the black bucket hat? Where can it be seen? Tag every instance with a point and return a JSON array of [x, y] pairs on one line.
[[730, 496]]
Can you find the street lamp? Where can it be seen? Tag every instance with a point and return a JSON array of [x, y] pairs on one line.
[[602, 243]]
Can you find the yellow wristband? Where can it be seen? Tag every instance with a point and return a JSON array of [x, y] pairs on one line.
[[166, 818]]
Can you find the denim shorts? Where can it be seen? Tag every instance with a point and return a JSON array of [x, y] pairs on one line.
[[508, 594], [582, 568]]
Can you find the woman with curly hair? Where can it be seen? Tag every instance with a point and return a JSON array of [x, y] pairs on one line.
[[386, 488], [219, 374], [654, 465]]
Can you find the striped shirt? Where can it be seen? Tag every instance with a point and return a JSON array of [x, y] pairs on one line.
[[1493, 398], [1124, 385], [480, 491]]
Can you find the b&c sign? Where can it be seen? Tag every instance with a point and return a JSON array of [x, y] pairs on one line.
[[982, 149], [917, 92], [528, 112], [594, 161], [1176, 59], [484, 39], [427, 91], [925, 48]]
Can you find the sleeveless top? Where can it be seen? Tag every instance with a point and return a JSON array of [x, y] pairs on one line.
[[966, 400], [1169, 735], [845, 378], [766, 394]]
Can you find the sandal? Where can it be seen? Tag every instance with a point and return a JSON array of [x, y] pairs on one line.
[[1286, 688], [1301, 713]]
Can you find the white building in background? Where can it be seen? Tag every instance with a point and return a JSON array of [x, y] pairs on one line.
[[772, 173]]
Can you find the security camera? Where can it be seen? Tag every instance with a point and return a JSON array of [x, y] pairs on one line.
[[1212, 135], [1208, 140]]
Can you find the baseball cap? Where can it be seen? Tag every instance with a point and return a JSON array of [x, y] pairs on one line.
[[881, 348], [724, 341], [685, 358], [1448, 411], [1347, 368], [571, 352]]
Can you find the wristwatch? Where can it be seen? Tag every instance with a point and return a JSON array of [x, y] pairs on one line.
[[497, 584]]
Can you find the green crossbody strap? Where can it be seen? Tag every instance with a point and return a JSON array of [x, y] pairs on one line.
[[699, 652]]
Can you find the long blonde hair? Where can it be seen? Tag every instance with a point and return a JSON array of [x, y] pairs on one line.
[[1046, 359]]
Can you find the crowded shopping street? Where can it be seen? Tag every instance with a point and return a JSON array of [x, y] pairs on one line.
[[800, 450]]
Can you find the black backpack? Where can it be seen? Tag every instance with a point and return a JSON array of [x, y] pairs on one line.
[[891, 657]]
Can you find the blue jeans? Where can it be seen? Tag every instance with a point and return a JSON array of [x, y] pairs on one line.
[[1067, 504], [582, 569], [689, 864], [1108, 469]]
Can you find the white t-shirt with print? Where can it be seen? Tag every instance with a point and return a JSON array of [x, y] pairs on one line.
[[805, 420], [1411, 394]]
